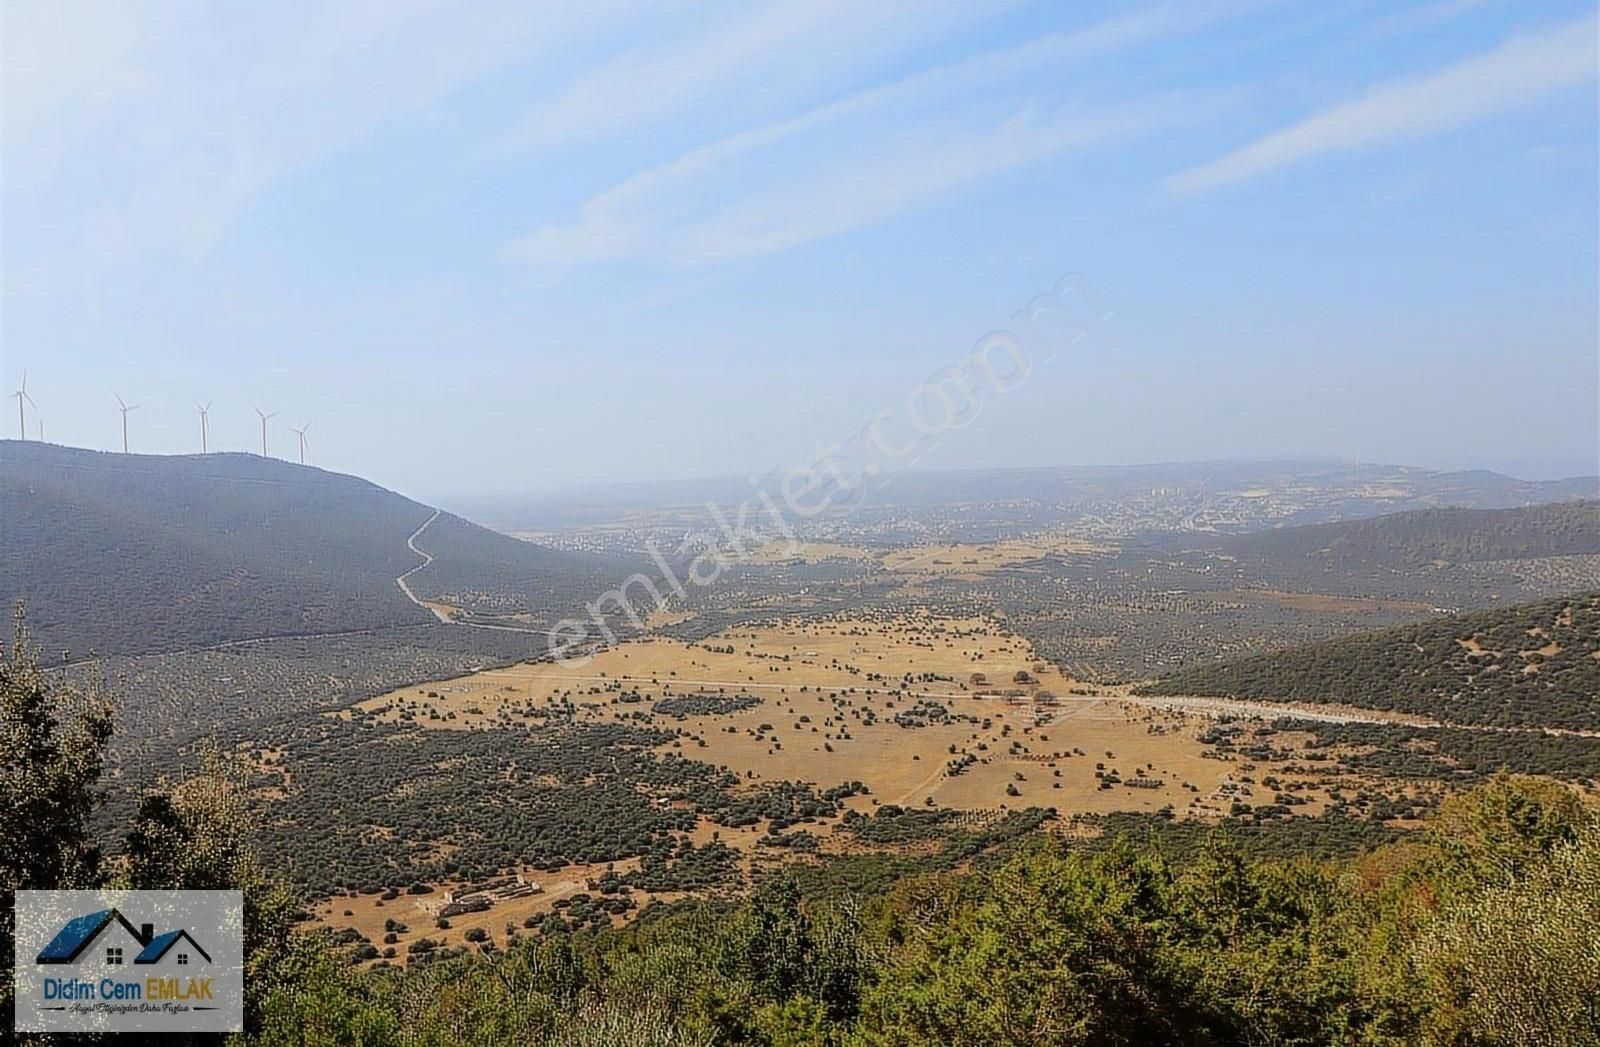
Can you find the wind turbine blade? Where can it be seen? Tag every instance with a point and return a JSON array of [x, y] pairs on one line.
[[133, 407], [24, 394], [120, 403]]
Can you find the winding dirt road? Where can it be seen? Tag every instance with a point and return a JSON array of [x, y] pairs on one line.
[[427, 558], [439, 610]]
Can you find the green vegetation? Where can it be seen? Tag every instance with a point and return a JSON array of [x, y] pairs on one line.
[[1456, 753], [1428, 537], [492, 575], [1174, 601], [1476, 930], [383, 805], [1534, 665], [432, 804], [125, 554], [169, 552], [682, 706], [189, 837], [1336, 834], [1007, 926]]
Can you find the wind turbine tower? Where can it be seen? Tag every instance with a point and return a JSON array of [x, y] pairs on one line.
[[125, 409], [22, 394], [301, 433], [264, 418], [205, 427]]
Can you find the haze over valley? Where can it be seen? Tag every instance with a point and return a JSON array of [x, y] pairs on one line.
[[797, 523]]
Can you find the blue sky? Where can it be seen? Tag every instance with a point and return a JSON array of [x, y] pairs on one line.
[[488, 248]]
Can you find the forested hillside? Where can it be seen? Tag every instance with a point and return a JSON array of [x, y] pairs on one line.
[[1535, 664], [1428, 536], [491, 574], [1474, 929], [136, 553]]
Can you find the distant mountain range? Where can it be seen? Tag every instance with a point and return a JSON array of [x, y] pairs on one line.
[[121, 554], [1227, 496], [117, 553]]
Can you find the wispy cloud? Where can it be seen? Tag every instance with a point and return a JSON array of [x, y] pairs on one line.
[[1514, 74], [148, 142], [783, 44], [657, 212], [897, 180]]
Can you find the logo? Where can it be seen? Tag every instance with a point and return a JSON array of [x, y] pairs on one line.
[[129, 961]]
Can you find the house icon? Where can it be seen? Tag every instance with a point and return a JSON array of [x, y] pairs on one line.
[[107, 938]]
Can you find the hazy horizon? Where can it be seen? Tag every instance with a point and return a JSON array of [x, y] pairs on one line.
[[757, 522], [528, 250], [728, 488]]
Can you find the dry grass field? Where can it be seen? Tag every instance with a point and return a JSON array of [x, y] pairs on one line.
[[895, 704], [888, 703], [369, 913], [805, 552], [970, 560]]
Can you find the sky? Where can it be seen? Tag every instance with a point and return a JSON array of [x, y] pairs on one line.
[[493, 248]]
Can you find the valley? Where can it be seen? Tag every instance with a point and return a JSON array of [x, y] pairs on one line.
[[850, 706]]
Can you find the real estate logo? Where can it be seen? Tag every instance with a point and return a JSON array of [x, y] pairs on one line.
[[129, 961]]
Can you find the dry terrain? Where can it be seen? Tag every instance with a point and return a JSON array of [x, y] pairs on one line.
[[926, 711], [960, 560]]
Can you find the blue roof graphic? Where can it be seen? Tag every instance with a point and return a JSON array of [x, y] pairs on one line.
[[77, 933], [74, 935], [159, 945]]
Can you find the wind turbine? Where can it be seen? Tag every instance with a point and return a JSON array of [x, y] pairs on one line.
[[125, 409], [22, 394], [301, 433], [264, 418], [205, 427]]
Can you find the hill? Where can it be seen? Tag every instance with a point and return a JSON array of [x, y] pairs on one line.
[[139, 553], [1534, 665], [494, 578], [1427, 536]]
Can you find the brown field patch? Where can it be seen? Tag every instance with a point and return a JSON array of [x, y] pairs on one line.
[[896, 704], [805, 552], [975, 559], [965, 690]]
